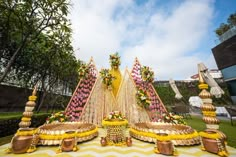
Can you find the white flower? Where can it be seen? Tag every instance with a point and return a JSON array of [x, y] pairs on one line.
[[143, 98]]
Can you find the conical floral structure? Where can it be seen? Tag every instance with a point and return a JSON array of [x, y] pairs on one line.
[[81, 93]]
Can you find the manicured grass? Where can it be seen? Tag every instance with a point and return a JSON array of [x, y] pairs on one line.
[[5, 140], [225, 126]]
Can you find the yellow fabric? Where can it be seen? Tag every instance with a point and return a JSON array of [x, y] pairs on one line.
[[116, 82]]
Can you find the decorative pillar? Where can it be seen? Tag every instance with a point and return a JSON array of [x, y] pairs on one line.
[[208, 110], [26, 119], [212, 140]]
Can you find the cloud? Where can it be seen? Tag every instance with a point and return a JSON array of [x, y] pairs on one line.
[[167, 41]]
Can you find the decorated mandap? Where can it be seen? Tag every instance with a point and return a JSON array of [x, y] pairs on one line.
[[122, 107]]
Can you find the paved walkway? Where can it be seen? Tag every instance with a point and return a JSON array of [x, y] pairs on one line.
[[93, 149]]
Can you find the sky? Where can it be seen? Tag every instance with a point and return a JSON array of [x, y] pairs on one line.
[[170, 36]]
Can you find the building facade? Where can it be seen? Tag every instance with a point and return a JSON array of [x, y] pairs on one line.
[[225, 56]]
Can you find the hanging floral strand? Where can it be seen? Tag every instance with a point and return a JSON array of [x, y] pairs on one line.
[[107, 78]]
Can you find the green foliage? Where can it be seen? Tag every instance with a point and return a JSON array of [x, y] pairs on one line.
[[224, 27], [36, 33], [167, 95], [232, 19], [36, 44]]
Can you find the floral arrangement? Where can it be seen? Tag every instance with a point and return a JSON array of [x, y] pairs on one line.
[[115, 115], [172, 118], [107, 78], [115, 60], [83, 70], [143, 99], [147, 74], [57, 117]]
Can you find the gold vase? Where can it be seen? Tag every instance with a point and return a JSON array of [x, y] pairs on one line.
[[165, 147], [103, 141], [68, 143], [128, 141], [20, 144]]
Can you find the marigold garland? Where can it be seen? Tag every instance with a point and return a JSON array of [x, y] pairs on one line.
[[63, 136], [114, 123], [209, 135], [26, 132], [165, 138], [209, 113], [32, 98], [26, 119], [203, 86]]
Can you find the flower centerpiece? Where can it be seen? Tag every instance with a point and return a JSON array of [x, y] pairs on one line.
[[147, 74], [57, 117], [107, 78], [142, 99], [115, 60], [83, 70], [114, 115], [172, 118]]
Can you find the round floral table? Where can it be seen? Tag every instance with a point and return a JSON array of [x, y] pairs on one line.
[[115, 131]]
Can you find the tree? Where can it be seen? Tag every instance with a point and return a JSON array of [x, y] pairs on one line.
[[23, 21], [43, 47], [232, 20], [222, 29]]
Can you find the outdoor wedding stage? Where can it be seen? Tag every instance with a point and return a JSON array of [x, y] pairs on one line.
[[110, 114]]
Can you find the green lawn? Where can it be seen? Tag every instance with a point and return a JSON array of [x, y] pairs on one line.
[[225, 126]]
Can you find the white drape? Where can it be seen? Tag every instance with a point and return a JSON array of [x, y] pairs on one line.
[[215, 88], [175, 89]]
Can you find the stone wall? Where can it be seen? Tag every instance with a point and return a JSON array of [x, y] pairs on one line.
[[13, 99]]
